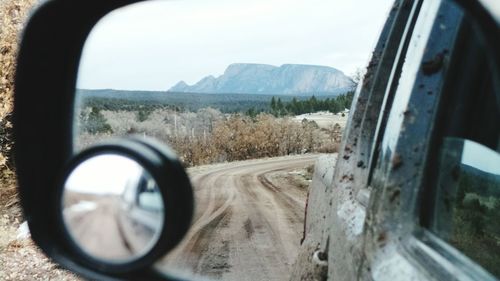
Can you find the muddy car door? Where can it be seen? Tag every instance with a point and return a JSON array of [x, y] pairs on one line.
[[393, 209], [333, 234]]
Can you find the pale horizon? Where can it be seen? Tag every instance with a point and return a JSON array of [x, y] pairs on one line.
[[216, 76]]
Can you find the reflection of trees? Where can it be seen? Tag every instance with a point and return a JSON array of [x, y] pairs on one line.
[[476, 217]]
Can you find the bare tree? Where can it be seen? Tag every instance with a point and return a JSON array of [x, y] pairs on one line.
[[358, 76]]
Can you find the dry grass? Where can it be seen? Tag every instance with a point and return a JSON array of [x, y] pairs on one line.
[[19, 259], [22, 260], [12, 17]]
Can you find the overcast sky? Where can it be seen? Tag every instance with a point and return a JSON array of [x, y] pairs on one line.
[[155, 44], [104, 174], [481, 157]]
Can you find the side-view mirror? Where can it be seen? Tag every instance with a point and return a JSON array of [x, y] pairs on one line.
[[124, 204], [146, 208]]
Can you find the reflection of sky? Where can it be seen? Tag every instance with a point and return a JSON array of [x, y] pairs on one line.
[[104, 174], [481, 157], [154, 44]]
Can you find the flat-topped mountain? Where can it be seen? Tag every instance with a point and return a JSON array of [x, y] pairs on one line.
[[288, 79]]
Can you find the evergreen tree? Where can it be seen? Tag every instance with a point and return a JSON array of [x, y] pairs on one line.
[[95, 122], [280, 107], [314, 103], [251, 112], [273, 104]]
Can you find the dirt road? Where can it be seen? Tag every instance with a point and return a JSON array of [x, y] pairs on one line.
[[248, 221]]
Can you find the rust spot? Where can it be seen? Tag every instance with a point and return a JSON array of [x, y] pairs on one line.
[[322, 256], [394, 195], [344, 178], [348, 149], [397, 161], [382, 238], [346, 157], [360, 164], [434, 65]]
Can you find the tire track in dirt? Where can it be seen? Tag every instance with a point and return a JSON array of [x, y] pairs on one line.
[[285, 200], [246, 227]]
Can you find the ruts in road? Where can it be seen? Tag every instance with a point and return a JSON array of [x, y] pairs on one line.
[[248, 223]]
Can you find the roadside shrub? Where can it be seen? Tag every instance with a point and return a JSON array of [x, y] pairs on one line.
[[92, 121], [12, 16], [209, 136]]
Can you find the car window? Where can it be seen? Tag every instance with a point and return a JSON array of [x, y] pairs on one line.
[[466, 172], [468, 206]]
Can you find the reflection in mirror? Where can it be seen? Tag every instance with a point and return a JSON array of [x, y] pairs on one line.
[[248, 94], [467, 211], [112, 208]]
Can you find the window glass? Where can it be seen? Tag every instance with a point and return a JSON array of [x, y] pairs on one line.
[[466, 172], [468, 209]]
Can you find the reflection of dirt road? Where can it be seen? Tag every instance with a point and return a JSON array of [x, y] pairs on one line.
[[97, 228], [104, 228], [246, 227]]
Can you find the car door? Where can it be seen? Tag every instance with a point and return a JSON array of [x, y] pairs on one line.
[[433, 207], [384, 213], [333, 242]]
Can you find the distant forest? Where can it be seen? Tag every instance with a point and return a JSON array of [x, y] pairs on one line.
[[313, 104], [248, 104]]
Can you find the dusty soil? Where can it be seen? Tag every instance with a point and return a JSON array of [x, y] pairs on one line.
[[248, 225], [248, 222], [21, 259]]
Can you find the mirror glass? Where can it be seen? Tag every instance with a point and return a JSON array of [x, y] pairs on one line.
[[248, 94], [112, 208]]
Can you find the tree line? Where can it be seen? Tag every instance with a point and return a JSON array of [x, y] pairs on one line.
[[210, 136], [313, 104], [250, 105]]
